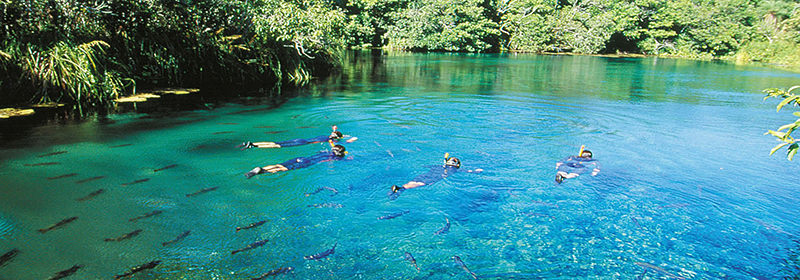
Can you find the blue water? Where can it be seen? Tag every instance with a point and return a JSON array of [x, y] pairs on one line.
[[686, 182]]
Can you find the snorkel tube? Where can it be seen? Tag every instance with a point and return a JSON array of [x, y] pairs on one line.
[[580, 154], [446, 157]]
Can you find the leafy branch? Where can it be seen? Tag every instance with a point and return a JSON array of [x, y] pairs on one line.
[[784, 133]]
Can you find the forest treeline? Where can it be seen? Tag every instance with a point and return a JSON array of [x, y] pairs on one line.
[[93, 50]]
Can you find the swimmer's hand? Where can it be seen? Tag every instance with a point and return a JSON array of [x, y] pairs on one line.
[[246, 145], [351, 140]]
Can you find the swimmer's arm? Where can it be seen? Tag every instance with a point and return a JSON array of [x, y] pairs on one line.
[[351, 140]]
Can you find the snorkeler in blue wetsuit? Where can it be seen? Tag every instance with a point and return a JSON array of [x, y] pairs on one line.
[[337, 152], [334, 136], [437, 173], [573, 166]]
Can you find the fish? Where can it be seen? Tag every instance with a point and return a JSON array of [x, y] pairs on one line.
[[89, 179], [124, 236], [251, 225], [295, 116], [280, 270], [326, 205], [202, 191], [323, 254], [136, 182], [275, 131], [58, 225], [335, 192], [42, 164], [62, 176], [179, 238], [140, 268], [251, 246], [410, 258], [264, 126], [464, 266], [8, 256], [222, 132], [636, 222], [228, 123], [120, 146], [146, 215], [393, 215], [66, 273], [444, 229], [91, 195], [659, 269], [165, 167], [52, 154]]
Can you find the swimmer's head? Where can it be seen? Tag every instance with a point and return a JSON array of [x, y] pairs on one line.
[[453, 161], [338, 150], [586, 154], [336, 135]]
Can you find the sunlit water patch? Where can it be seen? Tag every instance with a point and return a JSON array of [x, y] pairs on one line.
[[686, 187]]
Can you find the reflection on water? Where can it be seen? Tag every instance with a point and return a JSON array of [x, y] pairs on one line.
[[687, 188]]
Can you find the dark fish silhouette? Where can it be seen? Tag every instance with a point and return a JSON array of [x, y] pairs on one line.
[[222, 132], [124, 236], [52, 154], [134, 270], [251, 246], [275, 131], [42, 164], [464, 266], [202, 191], [179, 238], [335, 192], [91, 195], [393, 215], [59, 224], [66, 273], [228, 123], [165, 167], [8, 256], [136, 182], [252, 225], [146, 215], [89, 179], [323, 254], [62, 176], [636, 222], [326, 205], [410, 258], [280, 270], [444, 229], [659, 269], [120, 146], [264, 126]]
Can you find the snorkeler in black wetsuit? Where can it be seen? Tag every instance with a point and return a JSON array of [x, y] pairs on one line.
[[334, 136], [437, 173], [573, 166], [337, 152]]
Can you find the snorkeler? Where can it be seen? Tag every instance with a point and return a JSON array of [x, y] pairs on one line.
[[573, 166], [450, 166], [334, 136], [337, 152]]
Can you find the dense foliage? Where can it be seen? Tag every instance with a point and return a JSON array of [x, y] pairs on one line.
[[92, 50], [784, 133]]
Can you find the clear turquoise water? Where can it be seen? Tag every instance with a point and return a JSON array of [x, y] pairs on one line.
[[686, 182]]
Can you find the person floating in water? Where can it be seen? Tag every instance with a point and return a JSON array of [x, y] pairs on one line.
[[337, 152], [437, 173], [573, 166], [334, 136]]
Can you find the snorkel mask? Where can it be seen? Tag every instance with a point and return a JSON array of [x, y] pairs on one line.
[[337, 150], [335, 134], [451, 161]]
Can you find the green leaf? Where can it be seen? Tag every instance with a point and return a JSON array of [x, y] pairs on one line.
[[778, 147], [792, 88], [797, 114], [792, 151], [776, 134], [785, 101], [794, 124]]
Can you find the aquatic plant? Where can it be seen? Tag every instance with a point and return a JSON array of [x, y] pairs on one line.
[[784, 133]]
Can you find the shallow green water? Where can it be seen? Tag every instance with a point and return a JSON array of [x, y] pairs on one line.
[[686, 182]]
